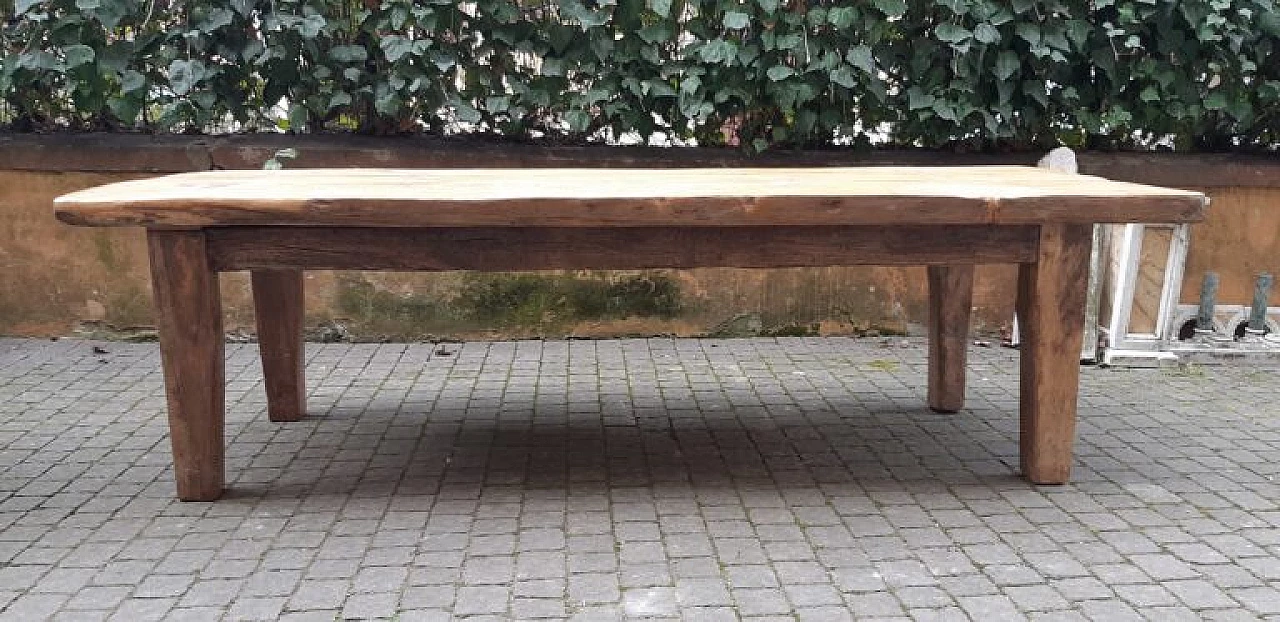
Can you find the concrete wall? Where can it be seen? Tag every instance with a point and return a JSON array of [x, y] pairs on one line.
[[1240, 239], [58, 279]]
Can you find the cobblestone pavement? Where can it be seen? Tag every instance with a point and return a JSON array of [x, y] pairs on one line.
[[695, 479]]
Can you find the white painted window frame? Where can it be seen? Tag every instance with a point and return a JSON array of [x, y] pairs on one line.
[[1122, 347]]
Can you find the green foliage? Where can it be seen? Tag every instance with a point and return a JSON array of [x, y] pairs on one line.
[[972, 74]]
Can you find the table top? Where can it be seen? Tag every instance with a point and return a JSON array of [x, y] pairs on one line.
[[626, 197]]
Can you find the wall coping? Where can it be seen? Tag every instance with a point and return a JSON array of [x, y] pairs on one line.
[[138, 153]]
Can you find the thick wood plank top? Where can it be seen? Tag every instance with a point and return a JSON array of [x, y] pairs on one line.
[[626, 197]]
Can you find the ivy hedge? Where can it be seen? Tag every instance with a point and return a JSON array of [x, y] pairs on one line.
[[971, 74]]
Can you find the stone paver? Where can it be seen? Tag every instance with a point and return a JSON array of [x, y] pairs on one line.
[[798, 479]]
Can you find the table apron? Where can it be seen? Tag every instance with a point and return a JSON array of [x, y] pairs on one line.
[[614, 248]]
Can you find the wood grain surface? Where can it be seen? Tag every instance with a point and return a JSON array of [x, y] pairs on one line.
[[189, 319], [626, 197], [950, 304], [279, 312], [579, 248], [1051, 297]]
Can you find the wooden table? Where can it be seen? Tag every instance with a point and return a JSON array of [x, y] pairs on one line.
[[278, 223]]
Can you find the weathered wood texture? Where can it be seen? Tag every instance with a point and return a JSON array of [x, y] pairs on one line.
[[189, 319], [950, 302], [278, 309], [626, 197], [542, 248], [1051, 297]]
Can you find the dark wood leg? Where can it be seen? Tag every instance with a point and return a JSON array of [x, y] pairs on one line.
[[189, 318], [1051, 297], [277, 303], [950, 300]]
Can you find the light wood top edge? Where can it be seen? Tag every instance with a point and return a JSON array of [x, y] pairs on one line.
[[987, 182], [706, 212], [626, 197]]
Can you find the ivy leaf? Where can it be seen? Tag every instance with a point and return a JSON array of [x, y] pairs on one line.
[[184, 74], [551, 66], [778, 73], [952, 33], [986, 33], [718, 51], [841, 17], [341, 98], [579, 120], [1007, 64], [1036, 90], [658, 88], [586, 18], [596, 95], [736, 20], [944, 110], [204, 100], [1149, 94], [990, 123], [395, 47], [349, 53], [768, 6], [917, 99], [497, 104], [465, 111], [109, 13], [37, 59], [22, 6], [860, 56], [891, 8], [1029, 33], [1004, 91], [789, 42], [297, 122], [87, 5], [1002, 15], [655, 32], [443, 61], [662, 7], [311, 26], [690, 85], [1057, 41], [1078, 31], [126, 109], [1216, 100], [1117, 116], [216, 19], [78, 55], [843, 75], [1269, 90], [131, 81]]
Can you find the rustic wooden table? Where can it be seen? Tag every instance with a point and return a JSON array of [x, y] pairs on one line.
[[278, 223]]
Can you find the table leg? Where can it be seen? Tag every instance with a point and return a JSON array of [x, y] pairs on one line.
[[278, 307], [950, 301], [1051, 297], [189, 318]]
